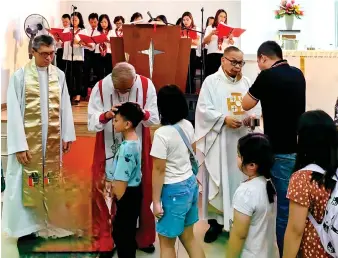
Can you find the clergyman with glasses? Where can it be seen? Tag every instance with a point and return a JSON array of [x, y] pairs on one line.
[[219, 123], [122, 85], [40, 128]]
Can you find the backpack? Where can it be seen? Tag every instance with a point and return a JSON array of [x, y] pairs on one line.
[[328, 229]]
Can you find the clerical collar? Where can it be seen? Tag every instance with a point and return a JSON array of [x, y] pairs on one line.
[[233, 79], [41, 68], [280, 62]]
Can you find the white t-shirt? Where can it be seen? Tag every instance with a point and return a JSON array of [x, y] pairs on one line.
[[213, 44], [252, 200], [169, 145]]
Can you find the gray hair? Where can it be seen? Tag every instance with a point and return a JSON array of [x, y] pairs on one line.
[[123, 71], [42, 40]]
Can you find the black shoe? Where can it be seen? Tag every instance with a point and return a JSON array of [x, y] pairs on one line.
[[213, 232], [107, 254], [149, 250]]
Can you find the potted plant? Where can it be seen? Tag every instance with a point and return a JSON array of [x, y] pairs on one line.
[[289, 10]]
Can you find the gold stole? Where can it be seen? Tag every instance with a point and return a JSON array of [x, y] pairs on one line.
[[42, 174]]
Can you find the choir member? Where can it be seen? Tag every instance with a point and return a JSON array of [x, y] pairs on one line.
[[216, 45], [89, 59], [35, 137], [118, 21], [78, 57], [136, 17], [188, 24], [103, 59], [59, 53], [161, 19], [209, 22], [179, 21], [122, 85]]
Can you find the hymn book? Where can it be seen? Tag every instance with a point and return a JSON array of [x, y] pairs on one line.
[[225, 31], [95, 39], [58, 33]]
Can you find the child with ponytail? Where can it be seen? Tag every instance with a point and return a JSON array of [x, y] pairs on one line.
[[253, 233]]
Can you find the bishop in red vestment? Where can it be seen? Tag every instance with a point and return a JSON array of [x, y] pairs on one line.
[[122, 85]]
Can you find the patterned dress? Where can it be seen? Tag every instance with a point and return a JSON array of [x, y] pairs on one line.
[[307, 193]]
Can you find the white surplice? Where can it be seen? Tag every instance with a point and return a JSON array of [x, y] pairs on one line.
[[110, 98], [220, 96], [17, 220]]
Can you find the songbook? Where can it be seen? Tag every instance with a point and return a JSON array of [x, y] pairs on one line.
[[225, 31], [191, 34], [54, 31], [95, 39], [65, 36]]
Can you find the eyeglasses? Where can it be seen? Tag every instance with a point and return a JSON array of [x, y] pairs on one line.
[[46, 54], [235, 63]]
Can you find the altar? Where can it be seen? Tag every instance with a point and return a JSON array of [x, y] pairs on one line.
[[321, 73]]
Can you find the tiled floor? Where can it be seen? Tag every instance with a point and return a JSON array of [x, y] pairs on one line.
[[214, 250]]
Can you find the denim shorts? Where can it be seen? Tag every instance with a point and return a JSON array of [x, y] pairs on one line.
[[180, 207]]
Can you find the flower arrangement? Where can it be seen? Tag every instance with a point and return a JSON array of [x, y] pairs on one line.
[[288, 8]]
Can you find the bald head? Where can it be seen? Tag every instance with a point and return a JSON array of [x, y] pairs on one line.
[[123, 76]]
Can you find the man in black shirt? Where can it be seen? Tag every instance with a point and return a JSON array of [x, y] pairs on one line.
[[281, 90]]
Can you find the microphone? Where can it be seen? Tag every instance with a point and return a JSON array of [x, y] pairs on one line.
[[151, 17], [202, 10], [74, 7]]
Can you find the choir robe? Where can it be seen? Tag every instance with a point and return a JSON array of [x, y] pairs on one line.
[[220, 96], [103, 210], [17, 220]]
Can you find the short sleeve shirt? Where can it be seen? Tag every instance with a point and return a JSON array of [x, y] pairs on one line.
[[127, 164], [308, 193]]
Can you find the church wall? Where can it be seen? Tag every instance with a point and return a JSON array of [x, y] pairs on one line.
[[172, 9], [14, 41], [317, 26]]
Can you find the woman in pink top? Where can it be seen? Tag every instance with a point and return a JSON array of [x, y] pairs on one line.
[[310, 187]]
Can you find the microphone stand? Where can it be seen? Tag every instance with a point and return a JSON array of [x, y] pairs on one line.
[[202, 50], [72, 44]]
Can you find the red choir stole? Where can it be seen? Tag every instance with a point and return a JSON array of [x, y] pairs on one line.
[[101, 219], [75, 33], [103, 46], [189, 33], [220, 41]]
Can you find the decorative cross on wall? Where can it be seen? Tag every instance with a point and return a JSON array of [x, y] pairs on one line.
[[151, 52]]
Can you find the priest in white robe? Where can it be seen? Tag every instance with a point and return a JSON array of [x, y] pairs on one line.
[[220, 121], [122, 85], [40, 128]]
